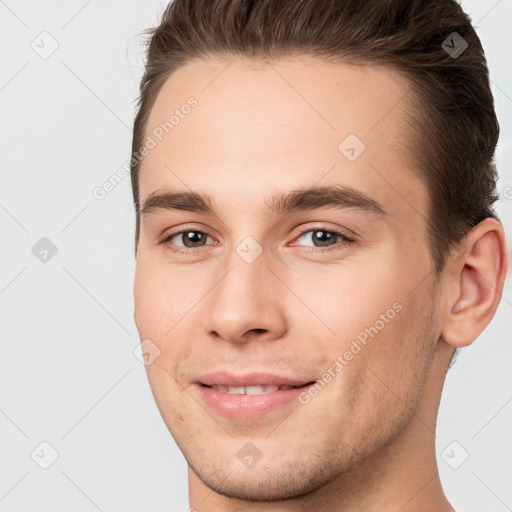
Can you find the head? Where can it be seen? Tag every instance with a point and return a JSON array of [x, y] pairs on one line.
[[336, 161]]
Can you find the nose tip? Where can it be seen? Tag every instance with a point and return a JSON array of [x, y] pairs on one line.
[[239, 331], [245, 306]]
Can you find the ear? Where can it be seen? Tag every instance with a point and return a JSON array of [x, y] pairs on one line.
[[473, 283]]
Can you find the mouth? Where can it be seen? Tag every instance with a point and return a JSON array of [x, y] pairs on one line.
[[251, 395], [254, 390], [250, 402]]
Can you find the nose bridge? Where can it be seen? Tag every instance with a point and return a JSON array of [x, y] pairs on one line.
[[247, 267], [247, 296]]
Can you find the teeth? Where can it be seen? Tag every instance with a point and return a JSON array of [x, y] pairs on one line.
[[259, 390], [250, 390]]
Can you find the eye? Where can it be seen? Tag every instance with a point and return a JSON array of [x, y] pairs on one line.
[[325, 238], [190, 239]]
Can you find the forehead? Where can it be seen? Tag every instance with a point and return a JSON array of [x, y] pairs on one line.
[[280, 124]]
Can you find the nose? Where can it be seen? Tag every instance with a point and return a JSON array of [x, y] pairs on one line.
[[247, 303]]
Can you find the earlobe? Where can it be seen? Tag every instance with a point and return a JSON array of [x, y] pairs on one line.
[[477, 279]]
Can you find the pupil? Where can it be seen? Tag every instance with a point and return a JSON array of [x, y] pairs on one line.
[[194, 237], [324, 233]]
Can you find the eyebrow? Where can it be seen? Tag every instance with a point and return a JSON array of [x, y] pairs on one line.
[[303, 199]]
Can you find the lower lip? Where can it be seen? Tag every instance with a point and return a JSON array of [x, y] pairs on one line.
[[248, 406]]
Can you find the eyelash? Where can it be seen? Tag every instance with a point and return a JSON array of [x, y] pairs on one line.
[[338, 246]]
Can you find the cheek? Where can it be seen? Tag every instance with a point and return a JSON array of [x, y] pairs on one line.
[[144, 295], [382, 383], [155, 301], [383, 332], [350, 301], [159, 306], [391, 368]]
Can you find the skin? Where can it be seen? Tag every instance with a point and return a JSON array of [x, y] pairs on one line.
[[367, 440]]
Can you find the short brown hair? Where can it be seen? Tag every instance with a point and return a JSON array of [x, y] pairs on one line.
[[453, 129]]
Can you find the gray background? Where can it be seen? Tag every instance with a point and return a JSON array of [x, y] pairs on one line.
[[68, 374]]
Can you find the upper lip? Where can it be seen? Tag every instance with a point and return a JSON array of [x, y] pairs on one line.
[[250, 379]]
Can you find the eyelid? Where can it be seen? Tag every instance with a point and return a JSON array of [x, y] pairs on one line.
[[350, 235], [182, 228]]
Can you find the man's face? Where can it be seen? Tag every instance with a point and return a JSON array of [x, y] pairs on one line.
[[252, 289]]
